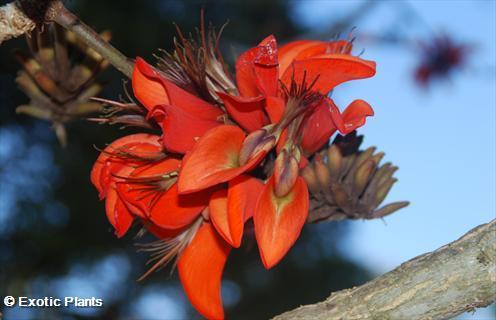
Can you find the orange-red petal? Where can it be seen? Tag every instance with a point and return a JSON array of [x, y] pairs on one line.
[[275, 107], [305, 49], [138, 196], [290, 51], [331, 70], [119, 144], [147, 88], [117, 213], [214, 159], [200, 269], [230, 208], [175, 95], [278, 221], [242, 196], [353, 117], [257, 70], [217, 208], [247, 112], [173, 210], [181, 130], [318, 128]]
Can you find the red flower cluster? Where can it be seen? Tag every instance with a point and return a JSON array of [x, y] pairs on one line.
[[197, 184], [439, 58]]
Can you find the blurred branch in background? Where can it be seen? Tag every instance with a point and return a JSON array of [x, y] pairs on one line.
[[453, 279]]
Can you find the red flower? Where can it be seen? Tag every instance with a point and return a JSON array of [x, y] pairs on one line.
[[439, 59], [298, 117], [195, 185]]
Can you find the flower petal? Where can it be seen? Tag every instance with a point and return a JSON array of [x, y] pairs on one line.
[[290, 51], [214, 159], [242, 196], [173, 210], [353, 117], [318, 128], [138, 196], [200, 269], [275, 107], [305, 49], [117, 213], [176, 96], [147, 88], [217, 208], [247, 112], [120, 144], [278, 221], [257, 70], [331, 70], [181, 130]]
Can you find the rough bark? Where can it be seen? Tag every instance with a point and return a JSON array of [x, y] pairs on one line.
[[13, 22], [455, 278]]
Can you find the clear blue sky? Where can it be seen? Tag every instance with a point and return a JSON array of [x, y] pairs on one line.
[[443, 140]]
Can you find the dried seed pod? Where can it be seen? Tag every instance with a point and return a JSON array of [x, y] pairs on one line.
[[58, 76], [346, 183]]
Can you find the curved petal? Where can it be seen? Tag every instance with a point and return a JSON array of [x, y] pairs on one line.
[[353, 117], [181, 130], [247, 112], [176, 96], [242, 196], [158, 232], [217, 208], [318, 128], [331, 70], [275, 107], [119, 144], [278, 221], [200, 269], [173, 210], [289, 52], [214, 159], [148, 90], [257, 69], [230, 208], [117, 213], [138, 192]]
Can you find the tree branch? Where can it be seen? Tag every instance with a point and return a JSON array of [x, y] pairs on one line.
[[21, 16], [70, 22], [441, 284], [13, 22]]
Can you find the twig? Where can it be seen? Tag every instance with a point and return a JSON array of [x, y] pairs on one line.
[[456, 278], [70, 22], [17, 18]]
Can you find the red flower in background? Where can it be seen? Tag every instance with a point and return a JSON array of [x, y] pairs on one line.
[[196, 184], [439, 58]]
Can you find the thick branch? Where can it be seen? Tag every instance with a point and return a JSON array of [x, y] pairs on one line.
[[441, 284]]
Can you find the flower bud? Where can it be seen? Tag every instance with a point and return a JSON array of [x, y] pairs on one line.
[[257, 141], [285, 173]]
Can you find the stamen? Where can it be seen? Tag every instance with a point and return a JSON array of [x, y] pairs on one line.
[[165, 251]]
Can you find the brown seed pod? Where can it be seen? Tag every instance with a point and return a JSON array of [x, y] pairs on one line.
[[347, 183], [58, 76]]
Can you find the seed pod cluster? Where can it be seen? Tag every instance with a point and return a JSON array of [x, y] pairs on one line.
[[58, 76], [348, 183]]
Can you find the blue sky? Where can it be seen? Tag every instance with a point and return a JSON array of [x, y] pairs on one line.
[[443, 140]]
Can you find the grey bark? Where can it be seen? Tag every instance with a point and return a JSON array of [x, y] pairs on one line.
[[13, 22], [455, 278]]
